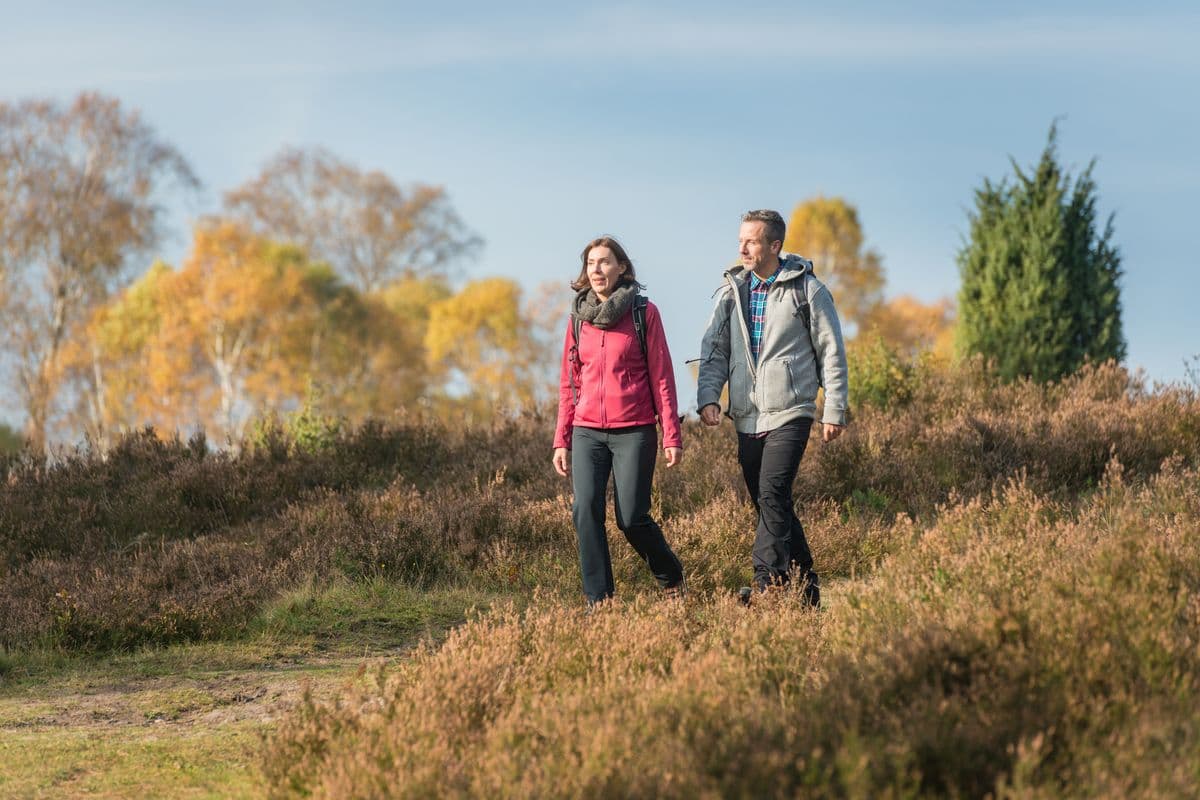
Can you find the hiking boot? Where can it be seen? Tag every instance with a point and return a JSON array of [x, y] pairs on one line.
[[744, 595], [811, 593], [676, 591]]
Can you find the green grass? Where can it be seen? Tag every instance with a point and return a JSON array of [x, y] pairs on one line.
[[372, 613], [188, 720], [132, 762]]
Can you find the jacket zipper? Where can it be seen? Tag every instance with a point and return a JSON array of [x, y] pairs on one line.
[[737, 301], [751, 367], [603, 372]]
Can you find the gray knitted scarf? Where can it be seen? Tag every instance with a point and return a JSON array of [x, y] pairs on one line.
[[588, 307]]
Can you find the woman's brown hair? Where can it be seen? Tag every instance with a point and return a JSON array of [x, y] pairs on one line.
[[628, 276]]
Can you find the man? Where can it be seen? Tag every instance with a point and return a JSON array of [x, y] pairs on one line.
[[774, 338]]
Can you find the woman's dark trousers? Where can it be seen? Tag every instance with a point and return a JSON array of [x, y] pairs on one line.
[[629, 455], [769, 464]]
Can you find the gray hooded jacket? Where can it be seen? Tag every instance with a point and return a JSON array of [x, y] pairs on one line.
[[793, 362]]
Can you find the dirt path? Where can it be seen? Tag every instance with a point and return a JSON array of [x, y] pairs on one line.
[[192, 733], [212, 697]]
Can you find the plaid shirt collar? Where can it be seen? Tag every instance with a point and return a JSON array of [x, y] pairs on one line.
[[756, 282]]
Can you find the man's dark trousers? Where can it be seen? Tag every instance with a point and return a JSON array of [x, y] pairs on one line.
[[629, 455], [769, 464]]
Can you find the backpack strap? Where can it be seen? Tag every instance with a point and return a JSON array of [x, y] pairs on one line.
[[639, 327], [573, 356], [639, 323], [804, 312]]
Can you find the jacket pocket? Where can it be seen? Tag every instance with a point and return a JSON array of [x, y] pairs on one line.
[[739, 390], [776, 389]]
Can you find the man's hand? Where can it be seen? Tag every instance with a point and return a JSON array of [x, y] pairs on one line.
[[711, 414], [674, 455], [562, 461], [829, 431]]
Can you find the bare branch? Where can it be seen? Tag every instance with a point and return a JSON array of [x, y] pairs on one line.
[[361, 223]]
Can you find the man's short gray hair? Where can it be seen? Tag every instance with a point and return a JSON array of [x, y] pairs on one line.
[[776, 227]]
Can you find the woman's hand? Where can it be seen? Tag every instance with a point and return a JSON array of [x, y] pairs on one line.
[[562, 461], [674, 455]]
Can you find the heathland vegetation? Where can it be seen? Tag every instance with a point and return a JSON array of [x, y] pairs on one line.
[[1011, 603]]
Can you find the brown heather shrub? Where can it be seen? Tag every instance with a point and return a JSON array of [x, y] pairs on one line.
[[964, 435], [110, 552], [174, 592], [1020, 645], [211, 587], [148, 489]]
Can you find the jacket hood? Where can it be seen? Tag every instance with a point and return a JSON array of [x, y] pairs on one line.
[[794, 267]]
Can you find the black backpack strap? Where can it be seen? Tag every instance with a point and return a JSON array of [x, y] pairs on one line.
[[639, 323], [573, 356], [639, 327], [800, 293]]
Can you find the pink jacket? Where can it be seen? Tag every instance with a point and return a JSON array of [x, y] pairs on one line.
[[617, 388]]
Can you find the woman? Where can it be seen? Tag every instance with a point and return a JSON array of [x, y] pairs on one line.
[[610, 393]]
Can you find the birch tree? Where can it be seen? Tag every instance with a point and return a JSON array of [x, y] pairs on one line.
[[82, 192]]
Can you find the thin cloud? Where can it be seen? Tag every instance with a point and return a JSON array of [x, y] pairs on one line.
[[796, 38], [171, 56]]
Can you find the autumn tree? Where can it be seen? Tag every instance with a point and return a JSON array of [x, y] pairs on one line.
[[225, 337], [106, 363], [362, 223], [82, 188], [243, 328], [1039, 292], [482, 340], [396, 374], [911, 327], [368, 352], [394, 246], [237, 331], [826, 231]]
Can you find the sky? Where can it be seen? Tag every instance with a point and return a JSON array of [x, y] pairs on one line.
[[550, 124]]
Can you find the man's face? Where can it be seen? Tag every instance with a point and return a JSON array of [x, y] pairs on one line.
[[753, 246], [603, 271]]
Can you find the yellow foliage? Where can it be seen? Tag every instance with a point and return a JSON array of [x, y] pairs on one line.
[[221, 338], [232, 319], [482, 337], [480, 319], [827, 232], [245, 324], [390, 371], [910, 327], [107, 358], [413, 297]]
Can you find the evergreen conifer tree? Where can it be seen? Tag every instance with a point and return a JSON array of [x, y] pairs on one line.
[[1039, 293]]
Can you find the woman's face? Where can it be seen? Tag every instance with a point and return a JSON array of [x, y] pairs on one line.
[[603, 271]]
